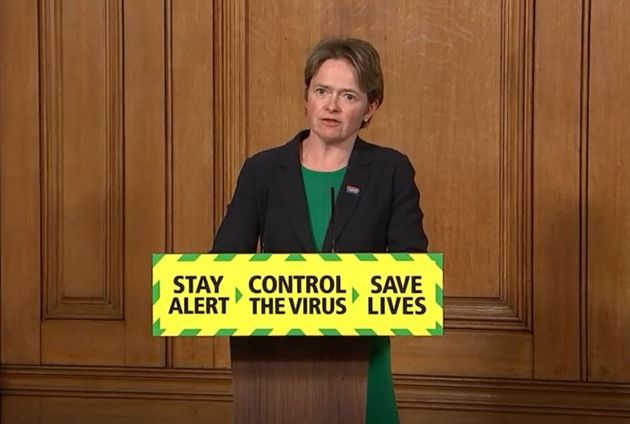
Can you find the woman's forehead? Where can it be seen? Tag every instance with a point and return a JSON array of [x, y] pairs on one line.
[[337, 74]]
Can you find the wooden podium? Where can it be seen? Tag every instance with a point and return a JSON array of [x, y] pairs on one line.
[[303, 380], [301, 326]]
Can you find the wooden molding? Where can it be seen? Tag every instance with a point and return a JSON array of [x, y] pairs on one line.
[[104, 382], [505, 395], [230, 102], [168, 124], [413, 392], [480, 314], [168, 147], [230, 116], [56, 303], [584, 177], [189, 37]]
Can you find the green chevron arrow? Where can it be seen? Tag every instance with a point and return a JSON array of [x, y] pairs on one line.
[[355, 295]]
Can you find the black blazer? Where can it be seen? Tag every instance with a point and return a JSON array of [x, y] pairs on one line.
[[377, 208]]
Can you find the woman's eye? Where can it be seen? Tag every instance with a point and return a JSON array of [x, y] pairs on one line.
[[349, 97], [320, 91]]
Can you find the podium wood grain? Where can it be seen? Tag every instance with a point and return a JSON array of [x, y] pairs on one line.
[[299, 379]]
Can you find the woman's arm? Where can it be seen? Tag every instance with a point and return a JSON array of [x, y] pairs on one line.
[[238, 232], [404, 231]]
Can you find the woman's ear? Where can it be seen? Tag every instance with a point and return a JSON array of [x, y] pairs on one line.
[[369, 113], [371, 108]]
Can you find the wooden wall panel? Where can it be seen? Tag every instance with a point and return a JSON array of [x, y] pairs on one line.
[[192, 157], [82, 188], [117, 342], [557, 226], [82, 342], [609, 193], [464, 353], [192, 125], [145, 170], [20, 265]]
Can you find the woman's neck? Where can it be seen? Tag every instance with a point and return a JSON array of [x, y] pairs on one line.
[[321, 156]]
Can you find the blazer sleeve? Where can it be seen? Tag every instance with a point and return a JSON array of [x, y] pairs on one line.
[[405, 232], [238, 232]]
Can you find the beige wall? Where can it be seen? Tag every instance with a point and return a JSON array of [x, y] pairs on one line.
[[122, 130]]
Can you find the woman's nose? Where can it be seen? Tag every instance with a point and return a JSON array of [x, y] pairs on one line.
[[333, 103]]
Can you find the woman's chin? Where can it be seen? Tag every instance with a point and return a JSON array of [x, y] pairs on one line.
[[332, 135]]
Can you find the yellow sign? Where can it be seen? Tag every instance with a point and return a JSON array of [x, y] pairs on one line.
[[362, 294]]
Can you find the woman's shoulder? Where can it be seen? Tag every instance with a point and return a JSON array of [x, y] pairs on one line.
[[279, 154], [383, 154]]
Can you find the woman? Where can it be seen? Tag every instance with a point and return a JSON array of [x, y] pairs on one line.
[[283, 195]]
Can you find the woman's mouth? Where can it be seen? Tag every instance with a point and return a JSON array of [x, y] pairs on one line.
[[330, 122]]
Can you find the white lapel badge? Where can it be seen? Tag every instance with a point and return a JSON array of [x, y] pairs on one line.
[[350, 189]]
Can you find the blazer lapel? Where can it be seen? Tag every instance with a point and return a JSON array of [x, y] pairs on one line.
[[354, 183], [291, 187]]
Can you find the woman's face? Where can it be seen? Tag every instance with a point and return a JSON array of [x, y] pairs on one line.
[[335, 105]]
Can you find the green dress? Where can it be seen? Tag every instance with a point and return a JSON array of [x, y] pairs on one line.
[[381, 401]]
